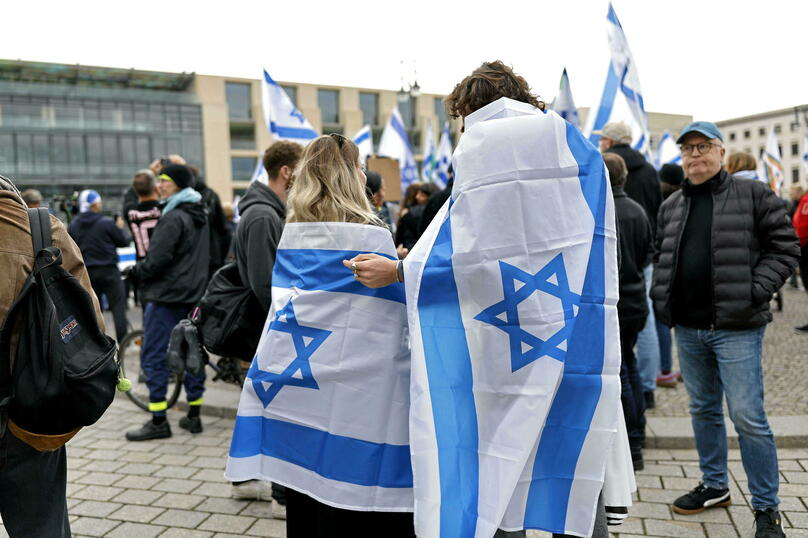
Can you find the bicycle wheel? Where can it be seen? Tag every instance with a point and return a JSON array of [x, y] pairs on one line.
[[129, 359]]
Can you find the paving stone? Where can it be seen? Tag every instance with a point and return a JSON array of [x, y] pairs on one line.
[[175, 471], [209, 475], [796, 477], [95, 508], [176, 485], [181, 501], [211, 489], [661, 470], [632, 525], [718, 530], [679, 529], [648, 481], [789, 465], [181, 518], [139, 457], [97, 493], [102, 454], [74, 464], [792, 504], [794, 490], [797, 519], [110, 466], [176, 459], [139, 530], [72, 488], [225, 523], [654, 510], [674, 482], [665, 496], [210, 462], [260, 509], [222, 506], [136, 482], [268, 527], [208, 451], [92, 526], [97, 479], [185, 533], [136, 513], [138, 496], [713, 515], [145, 469]]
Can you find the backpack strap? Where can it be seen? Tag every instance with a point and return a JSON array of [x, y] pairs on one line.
[[39, 220]]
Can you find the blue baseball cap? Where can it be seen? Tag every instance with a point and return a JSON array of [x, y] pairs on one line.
[[707, 128], [87, 198]]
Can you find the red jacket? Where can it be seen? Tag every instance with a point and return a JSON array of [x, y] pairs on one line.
[[800, 220]]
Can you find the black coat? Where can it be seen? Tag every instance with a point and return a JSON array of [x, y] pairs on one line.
[[642, 184], [97, 238], [754, 250], [175, 269], [635, 236], [256, 240]]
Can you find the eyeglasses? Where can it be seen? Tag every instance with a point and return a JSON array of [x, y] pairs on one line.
[[703, 147], [338, 138]]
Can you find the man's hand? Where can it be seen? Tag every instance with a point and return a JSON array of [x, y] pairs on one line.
[[119, 222], [372, 270]]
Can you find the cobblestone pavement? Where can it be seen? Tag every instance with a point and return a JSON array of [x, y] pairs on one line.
[[785, 363], [175, 488]]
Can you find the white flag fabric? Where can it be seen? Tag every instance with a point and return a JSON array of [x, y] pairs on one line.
[[443, 158], [364, 141], [395, 143], [667, 151], [564, 105], [324, 408], [260, 173], [429, 164], [773, 164], [511, 297], [283, 120]]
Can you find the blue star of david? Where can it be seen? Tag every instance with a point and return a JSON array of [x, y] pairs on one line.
[[507, 309], [300, 363], [295, 113], [409, 171]]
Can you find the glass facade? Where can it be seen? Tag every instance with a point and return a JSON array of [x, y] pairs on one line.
[[328, 101], [440, 112], [242, 168], [369, 104], [239, 104]]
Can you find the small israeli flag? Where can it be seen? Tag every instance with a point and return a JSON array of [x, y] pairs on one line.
[[515, 351], [324, 409], [364, 140], [667, 151], [429, 164], [774, 173], [283, 119], [564, 104], [805, 152], [395, 143], [443, 159], [260, 173]]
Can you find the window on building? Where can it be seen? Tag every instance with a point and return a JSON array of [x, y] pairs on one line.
[[328, 101], [732, 136], [76, 155], [142, 149], [795, 174], [778, 129], [242, 136], [761, 131], [25, 153], [747, 134], [440, 113], [407, 109], [795, 149], [747, 150], [795, 126], [41, 154], [780, 149], [7, 153], [369, 104], [242, 168], [762, 150], [239, 104], [59, 153], [291, 91]]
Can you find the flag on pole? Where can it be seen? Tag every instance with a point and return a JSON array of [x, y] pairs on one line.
[[564, 105], [667, 152], [621, 77], [325, 406], [364, 140], [772, 164], [805, 153], [260, 173], [513, 321], [283, 120], [443, 158], [429, 164], [395, 143]]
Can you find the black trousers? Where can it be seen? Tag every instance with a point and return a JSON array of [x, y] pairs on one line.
[[107, 280], [33, 488], [632, 393], [804, 266]]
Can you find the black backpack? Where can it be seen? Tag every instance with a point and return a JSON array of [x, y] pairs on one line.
[[65, 368], [229, 317]]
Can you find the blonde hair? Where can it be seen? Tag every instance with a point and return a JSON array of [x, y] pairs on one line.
[[327, 186], [740, 161]]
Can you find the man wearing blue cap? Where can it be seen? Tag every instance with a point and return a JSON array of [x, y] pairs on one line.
[[724, 247]]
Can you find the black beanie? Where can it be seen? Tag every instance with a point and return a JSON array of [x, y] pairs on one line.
[[672, 174], [179, 174], [374, 181]]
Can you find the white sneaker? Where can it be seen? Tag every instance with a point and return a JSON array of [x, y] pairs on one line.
[[278, 510], [259, 490]]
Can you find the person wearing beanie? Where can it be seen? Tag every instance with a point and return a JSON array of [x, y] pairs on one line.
[[173, 276]]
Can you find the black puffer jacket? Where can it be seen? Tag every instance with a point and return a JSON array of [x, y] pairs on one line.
[[175, 269], [642, 184], [754, 250], [635, 238]]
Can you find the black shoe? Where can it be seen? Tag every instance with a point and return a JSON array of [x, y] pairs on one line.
[[768, 524], [803, 329], [150, 430], [700, 499], [649, 399], [192, 424], [636, 460]]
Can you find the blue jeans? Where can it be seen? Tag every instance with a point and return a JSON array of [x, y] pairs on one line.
[[647, 342], [665, 347], [715, 363]]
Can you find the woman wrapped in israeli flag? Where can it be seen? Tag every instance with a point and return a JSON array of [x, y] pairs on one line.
[[324, 409], [511, 296]]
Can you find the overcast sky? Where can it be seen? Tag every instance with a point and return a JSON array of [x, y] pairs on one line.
[[715, 59]]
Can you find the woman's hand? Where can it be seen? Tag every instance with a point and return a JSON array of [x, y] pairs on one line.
[[372, 270]]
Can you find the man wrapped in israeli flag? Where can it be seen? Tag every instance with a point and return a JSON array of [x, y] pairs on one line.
[[324, 409], [512, 295]]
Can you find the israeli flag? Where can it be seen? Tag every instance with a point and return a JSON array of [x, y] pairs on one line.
[[283, 119], [774, 174], [324, 409], [395, 143], [805, 153], [667, 151], [622, 76], [443, 158], [260, 173], [429, 164], [515, 353], [564, 105], [364, 141]]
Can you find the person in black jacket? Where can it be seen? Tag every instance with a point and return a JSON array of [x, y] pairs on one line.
[[635, 237], [97, 237], [173, 277], [219, 238], [435, 202], [642, 186], [724, 246]]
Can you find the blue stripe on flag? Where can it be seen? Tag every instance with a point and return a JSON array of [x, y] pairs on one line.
[[322, 269], [578, 394], [302, 133], [606, 103], [361, 138], [128, 257], [448, 364], [335, 457], [402, 132]]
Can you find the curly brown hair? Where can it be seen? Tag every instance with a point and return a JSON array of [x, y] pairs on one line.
[[281, 153], [485, 85]]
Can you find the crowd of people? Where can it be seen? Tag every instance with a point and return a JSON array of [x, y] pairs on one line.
[[703, 248]]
